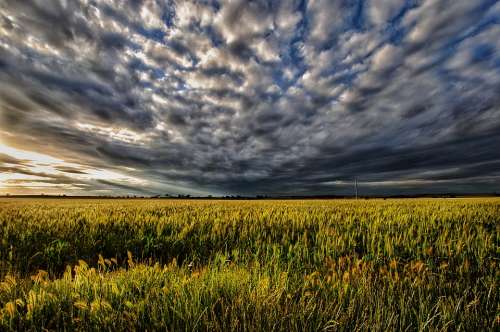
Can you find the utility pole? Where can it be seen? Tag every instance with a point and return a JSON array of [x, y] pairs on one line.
[[356, 187]]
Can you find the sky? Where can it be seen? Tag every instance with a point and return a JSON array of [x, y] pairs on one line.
[[118, 97]]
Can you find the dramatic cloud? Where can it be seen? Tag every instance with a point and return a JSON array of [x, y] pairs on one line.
[[249, 97]]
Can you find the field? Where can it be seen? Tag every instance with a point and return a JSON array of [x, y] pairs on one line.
[[346, 265]]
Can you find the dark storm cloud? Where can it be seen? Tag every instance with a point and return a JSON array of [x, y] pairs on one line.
[[128, 188], [271, 97]]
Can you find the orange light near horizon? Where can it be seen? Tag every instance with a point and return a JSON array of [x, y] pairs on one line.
[[28, 172]]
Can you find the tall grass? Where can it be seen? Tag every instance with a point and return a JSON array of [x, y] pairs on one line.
[[250, 265]]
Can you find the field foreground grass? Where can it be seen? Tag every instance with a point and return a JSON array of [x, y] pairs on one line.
[[113, 265]]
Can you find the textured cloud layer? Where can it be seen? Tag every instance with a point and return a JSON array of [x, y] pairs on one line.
[[248, 97]]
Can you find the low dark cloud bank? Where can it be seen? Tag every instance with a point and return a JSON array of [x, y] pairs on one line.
[[251, 97]]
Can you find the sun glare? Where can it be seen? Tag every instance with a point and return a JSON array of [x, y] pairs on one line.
[[27, 172]]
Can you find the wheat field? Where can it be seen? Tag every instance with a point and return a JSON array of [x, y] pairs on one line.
[[269, 265]]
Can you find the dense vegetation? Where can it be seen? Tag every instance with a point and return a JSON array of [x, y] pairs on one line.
[[250, 265]]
